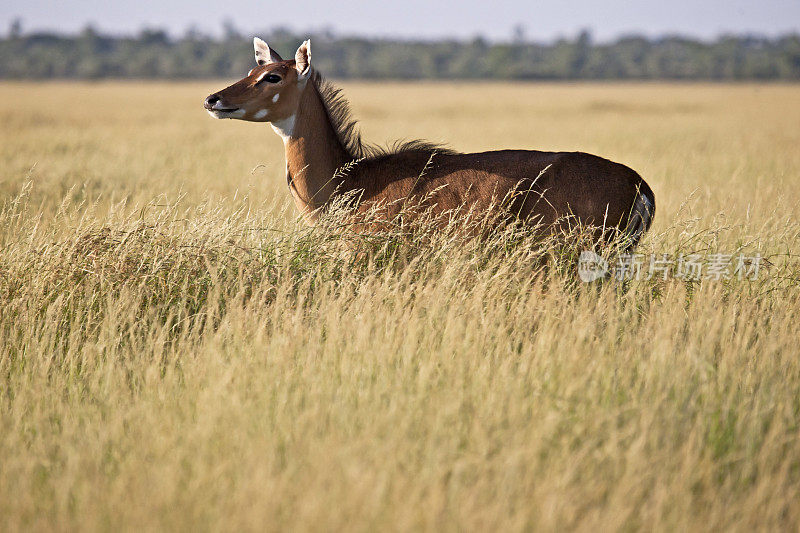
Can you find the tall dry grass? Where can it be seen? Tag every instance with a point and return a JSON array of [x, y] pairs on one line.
[[179, 353]]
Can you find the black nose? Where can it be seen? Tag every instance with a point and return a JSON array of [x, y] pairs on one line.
[[211, 100]]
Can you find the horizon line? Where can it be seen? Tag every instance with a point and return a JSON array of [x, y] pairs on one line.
[[228, 31]]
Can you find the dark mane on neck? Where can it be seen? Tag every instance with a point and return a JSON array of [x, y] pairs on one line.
[[346, 127]]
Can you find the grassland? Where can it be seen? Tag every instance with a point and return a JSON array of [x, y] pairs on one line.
[[178, 352]]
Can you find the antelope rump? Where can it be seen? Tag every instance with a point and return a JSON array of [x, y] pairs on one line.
[[326, 158]]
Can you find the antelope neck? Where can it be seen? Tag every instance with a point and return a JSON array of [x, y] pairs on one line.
[[313, 152]]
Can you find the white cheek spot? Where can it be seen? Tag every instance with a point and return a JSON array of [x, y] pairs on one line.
[[284, 127], [260, 114], [275, 98]]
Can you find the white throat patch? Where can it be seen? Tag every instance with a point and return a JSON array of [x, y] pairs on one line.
[[285, 127]]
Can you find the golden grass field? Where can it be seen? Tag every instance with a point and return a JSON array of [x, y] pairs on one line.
[[178, 352]]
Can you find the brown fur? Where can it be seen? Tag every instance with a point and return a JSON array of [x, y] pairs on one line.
[[326, 157]]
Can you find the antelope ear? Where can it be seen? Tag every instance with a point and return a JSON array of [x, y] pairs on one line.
[[303, 59], [265, 54]]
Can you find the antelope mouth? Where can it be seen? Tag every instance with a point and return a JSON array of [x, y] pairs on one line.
[[233, 112]]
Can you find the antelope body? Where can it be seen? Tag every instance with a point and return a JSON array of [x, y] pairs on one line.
[[326, 157]]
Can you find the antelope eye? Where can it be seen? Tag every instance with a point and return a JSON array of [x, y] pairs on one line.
[[270, 78]]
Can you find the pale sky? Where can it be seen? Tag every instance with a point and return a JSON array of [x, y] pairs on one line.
[[495, 19]]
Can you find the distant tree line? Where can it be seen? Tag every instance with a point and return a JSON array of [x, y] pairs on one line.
[[155, 54]]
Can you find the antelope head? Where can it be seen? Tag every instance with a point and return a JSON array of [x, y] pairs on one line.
[[269, 93]]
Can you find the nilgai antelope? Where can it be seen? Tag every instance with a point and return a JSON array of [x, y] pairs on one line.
[[325, 158]]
